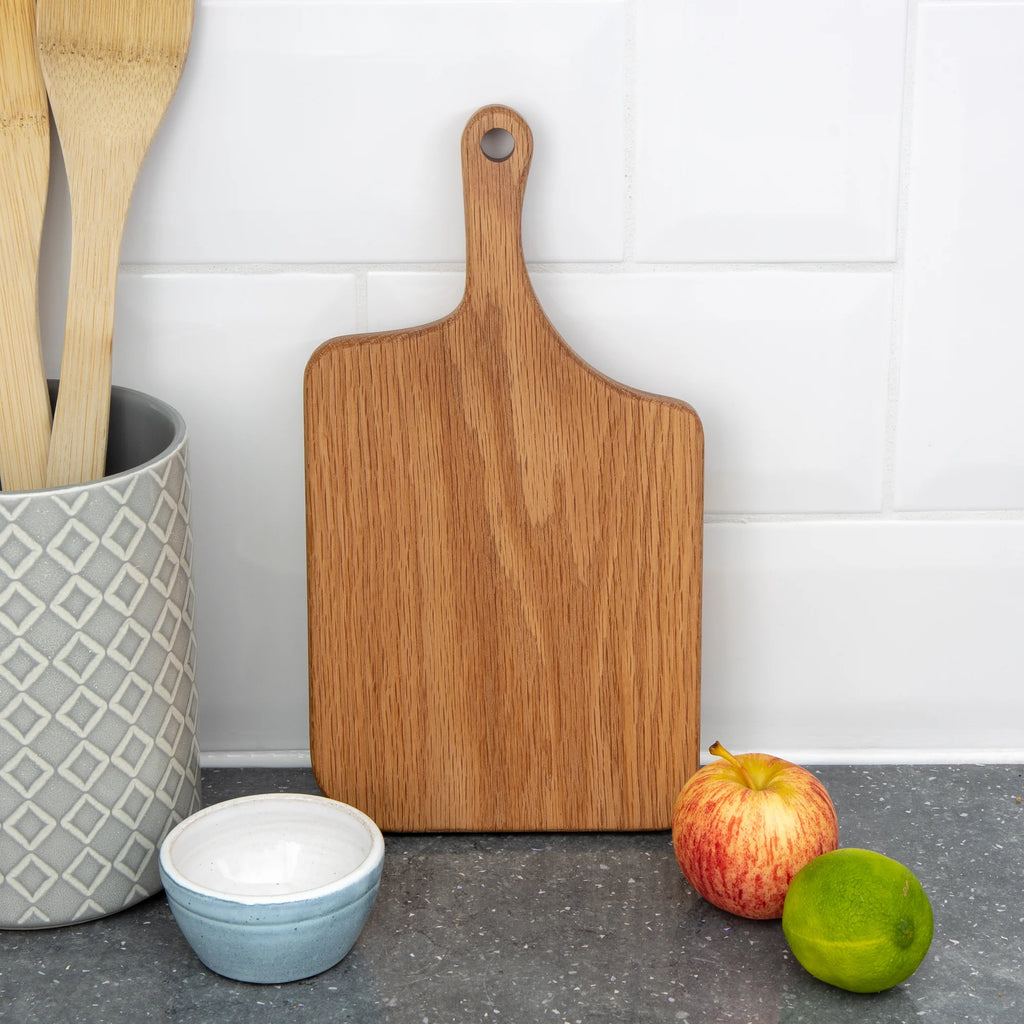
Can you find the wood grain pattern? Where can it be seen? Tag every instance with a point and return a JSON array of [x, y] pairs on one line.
[[504, 560], [111, 68], [24, 179]]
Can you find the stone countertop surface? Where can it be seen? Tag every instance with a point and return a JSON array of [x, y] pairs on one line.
[[590, 928]]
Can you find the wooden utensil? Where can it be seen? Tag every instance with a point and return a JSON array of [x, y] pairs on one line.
[[24, 177], [504, 556], [111, 68]]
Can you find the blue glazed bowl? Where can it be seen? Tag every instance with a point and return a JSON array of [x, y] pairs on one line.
[[275, 887]]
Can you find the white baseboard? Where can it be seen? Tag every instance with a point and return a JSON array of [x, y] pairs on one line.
[[860, 756], [868, 756], [255, 759]]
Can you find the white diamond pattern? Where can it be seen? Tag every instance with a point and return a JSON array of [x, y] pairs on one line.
[[189, 607], [84, 765], [169, 679], [166, 628], [134, 803], [85, 819], [20, 609], [21, 664], [170, 785], [30, 825], [132, 751], [129, 645], [121, 490], [18, 551], [135, 893], [124, 534], [98, 750], [127, 589], [10, 510], [87, 871], [81, 711], [186, 553], [77, 602], [89, 910], [32, 877], [171, 730], [134, 856], [33, 918], [192, 710], [79, 658], [192, 768], [24, 718], [162, 521], [166, 572], [130, 700], [26, 773], [73, 547], [71, 507]]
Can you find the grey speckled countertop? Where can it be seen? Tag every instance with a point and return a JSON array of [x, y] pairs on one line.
[[578, 927]]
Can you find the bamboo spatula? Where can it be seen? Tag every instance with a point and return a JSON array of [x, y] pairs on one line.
[[24, 173], [111, 68]]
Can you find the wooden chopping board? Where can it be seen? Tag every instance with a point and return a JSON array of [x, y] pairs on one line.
[[504, 560]]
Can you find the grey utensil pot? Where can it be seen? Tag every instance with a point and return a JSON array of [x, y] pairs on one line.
[[98, 708]]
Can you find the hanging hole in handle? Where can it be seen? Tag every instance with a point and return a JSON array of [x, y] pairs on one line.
[[497, 144]]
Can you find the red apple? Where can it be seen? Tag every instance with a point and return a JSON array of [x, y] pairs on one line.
[[743, 826]]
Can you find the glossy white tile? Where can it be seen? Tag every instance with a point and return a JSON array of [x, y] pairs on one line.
[[329, 132], [960, 437], [228, 351], [395, 300], [853, 637], [768, 129], [787, 370]]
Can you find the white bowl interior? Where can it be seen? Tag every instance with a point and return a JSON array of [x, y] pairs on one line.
[[271, 846]]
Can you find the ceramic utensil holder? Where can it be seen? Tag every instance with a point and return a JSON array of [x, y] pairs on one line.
[[98, 707]]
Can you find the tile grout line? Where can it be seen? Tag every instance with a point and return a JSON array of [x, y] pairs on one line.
[[629, 105], [860, 517], [362, 293], [898, 325], [596, 267]]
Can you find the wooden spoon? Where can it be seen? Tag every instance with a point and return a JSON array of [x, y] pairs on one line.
[[111, 69], [24, 175]]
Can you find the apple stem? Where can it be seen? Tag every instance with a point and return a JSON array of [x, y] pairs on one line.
[[718, 750]]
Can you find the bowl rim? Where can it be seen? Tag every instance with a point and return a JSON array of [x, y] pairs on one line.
[[362, 870]]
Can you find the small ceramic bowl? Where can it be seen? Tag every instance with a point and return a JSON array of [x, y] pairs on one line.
[[274, 887]]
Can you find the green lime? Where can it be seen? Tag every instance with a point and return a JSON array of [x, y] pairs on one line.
[[858, 920]]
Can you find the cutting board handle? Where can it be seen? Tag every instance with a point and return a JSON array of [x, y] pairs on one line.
[[493, 189]]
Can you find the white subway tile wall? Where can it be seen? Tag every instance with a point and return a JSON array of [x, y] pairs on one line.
[[960, 432], [804, 218], [322, 132], [876, 636], [228, 351], [768, 130]]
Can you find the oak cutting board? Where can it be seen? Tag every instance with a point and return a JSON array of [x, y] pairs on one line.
[[504, 560]]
